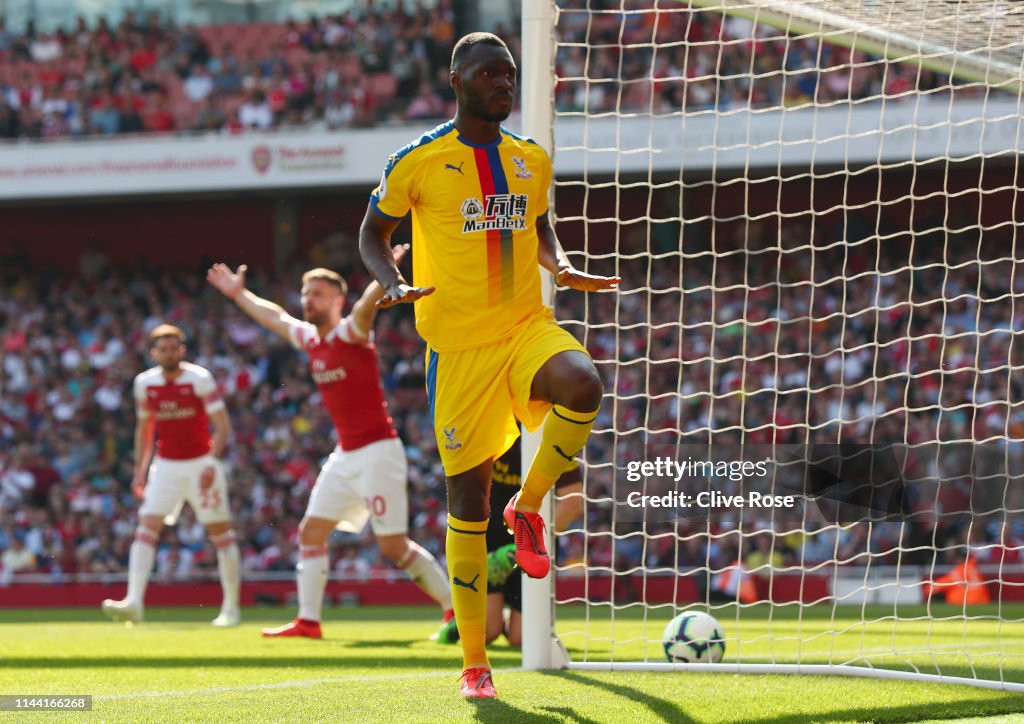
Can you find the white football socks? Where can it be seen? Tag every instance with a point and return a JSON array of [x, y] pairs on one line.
[[229, 566], [427, 573], [141, 557], [312, 580]]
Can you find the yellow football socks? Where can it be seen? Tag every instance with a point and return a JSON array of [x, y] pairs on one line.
[[466, 550], [565, 434]]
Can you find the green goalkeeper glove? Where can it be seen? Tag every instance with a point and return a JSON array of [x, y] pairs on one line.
[[500, 564]]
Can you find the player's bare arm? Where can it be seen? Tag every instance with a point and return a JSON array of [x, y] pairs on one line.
[[263, 312], [145, 428], [221, 434], [364, 312], [553, 258], [375, 248]]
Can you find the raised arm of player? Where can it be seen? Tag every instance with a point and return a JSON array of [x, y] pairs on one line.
[[364, 312], [265, 313], [375, 248], [145, 429], [553, 258]]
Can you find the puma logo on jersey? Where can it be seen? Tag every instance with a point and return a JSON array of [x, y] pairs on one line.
[[455, 168], [471, 585]]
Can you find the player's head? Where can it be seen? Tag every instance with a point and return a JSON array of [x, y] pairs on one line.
[[323, 296], [167, 346], [483, 76]]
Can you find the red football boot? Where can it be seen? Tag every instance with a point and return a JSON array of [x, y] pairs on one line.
[[528, 529], [477, 683], [298, 627]]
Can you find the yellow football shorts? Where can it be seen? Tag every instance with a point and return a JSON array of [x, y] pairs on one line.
[[476, 395]]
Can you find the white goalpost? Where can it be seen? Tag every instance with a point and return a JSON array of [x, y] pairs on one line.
[[814, 207]]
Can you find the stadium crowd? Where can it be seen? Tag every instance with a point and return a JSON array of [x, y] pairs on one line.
[[885, 357], [376, 64]]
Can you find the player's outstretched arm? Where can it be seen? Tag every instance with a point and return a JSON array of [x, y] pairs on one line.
[[265, 313], [375, 248], [365, 310], [553, 258]]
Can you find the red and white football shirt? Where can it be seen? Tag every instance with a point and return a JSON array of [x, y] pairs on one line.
[[344, 366], [181, 408]]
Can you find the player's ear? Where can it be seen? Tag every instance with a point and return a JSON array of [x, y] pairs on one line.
[[453, 79]]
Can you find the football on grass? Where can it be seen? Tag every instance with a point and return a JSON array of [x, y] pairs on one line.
[[694, 637]]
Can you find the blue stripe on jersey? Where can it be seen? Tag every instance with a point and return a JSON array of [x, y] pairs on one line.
[[507, 256], [389, 217], [431, 381], [440, 132], [518, 137]]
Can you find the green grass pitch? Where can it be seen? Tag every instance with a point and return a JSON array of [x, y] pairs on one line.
[[376, 664]]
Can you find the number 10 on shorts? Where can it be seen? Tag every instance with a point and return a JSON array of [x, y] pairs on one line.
[[376, 505]]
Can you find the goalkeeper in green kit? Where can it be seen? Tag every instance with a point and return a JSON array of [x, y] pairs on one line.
[[504, 580]]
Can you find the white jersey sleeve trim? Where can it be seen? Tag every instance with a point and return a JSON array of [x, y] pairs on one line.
[[350, 332], [300, 333], [139, 392], [206, 389]]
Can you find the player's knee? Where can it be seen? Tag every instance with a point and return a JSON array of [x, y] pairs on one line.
[[393, 548], [515, 638], [312, 533], [493, 634], [581, 388]]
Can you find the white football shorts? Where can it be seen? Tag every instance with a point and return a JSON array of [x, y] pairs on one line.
[[367, 484], [173, 482]]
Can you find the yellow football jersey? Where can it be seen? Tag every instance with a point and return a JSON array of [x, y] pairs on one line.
[[474, 209]]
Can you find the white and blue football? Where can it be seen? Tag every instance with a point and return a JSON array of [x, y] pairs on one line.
[[694, 637]]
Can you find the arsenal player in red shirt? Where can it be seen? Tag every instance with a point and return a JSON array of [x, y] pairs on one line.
[[175, 403], [365, 478]]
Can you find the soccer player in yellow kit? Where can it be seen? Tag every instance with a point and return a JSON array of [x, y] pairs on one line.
[[479, 201]]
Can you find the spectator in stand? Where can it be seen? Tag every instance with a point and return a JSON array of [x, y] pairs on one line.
[[105, 118], [199, 84], [426, 105], [210, 117], [130, 118], [160, 119], [255, 112], [16, 559]]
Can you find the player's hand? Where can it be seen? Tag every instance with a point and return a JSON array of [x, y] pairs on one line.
[[581, 281], [207, 477], [227, 282], [403, 294], [399, 252], [139, 486]]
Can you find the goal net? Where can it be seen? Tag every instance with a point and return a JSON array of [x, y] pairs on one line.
[[814, 388]]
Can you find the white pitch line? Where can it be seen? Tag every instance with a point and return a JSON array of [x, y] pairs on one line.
[[281, 685]]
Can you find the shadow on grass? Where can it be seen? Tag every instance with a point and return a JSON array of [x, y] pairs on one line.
[[994, 705], [374, 643], [572, 715], [911, 712], [205, 614], [662, 709], [496, 711], [341, 660]]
